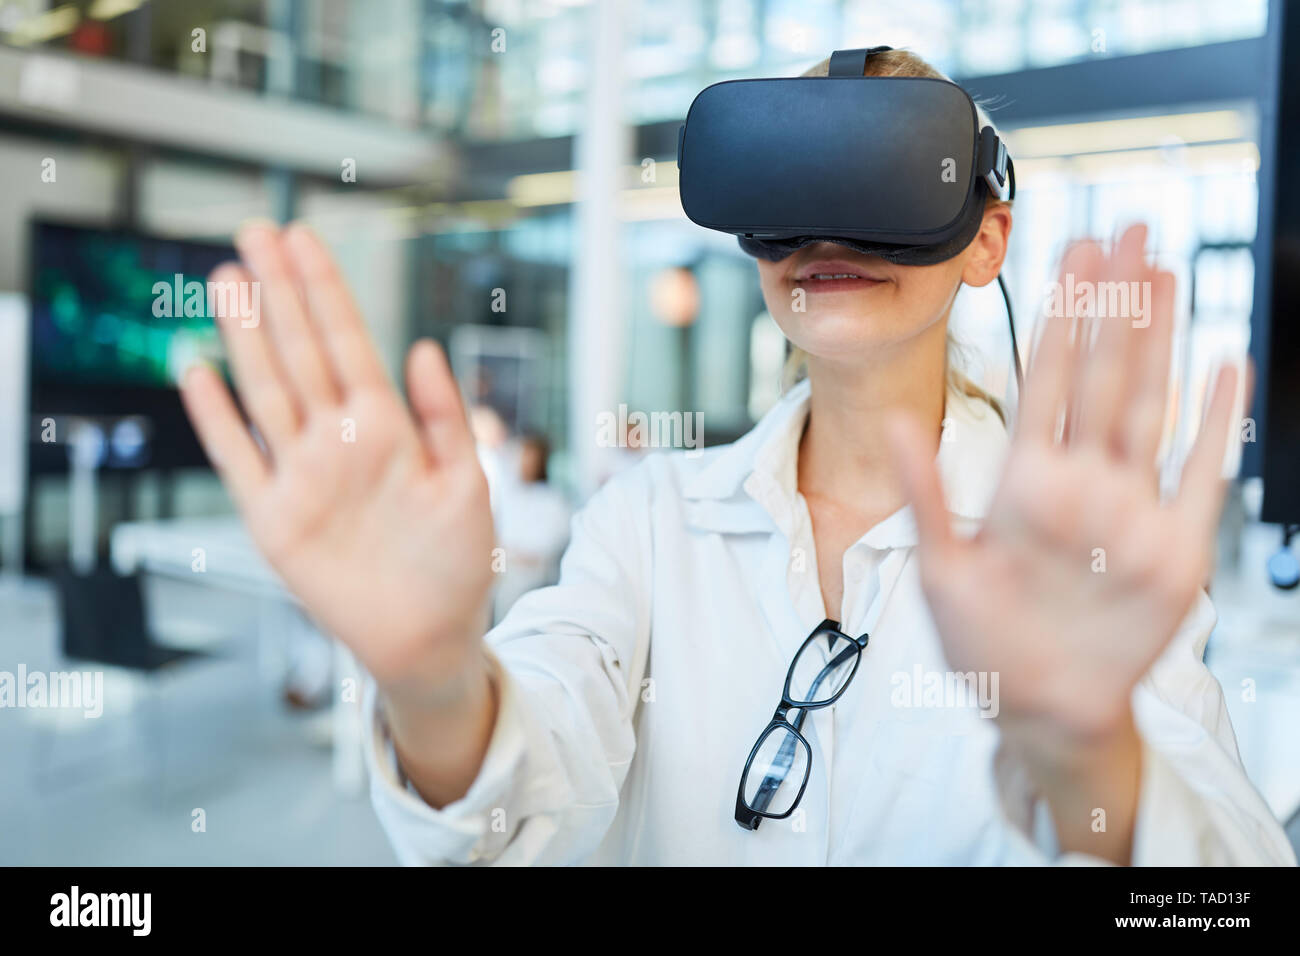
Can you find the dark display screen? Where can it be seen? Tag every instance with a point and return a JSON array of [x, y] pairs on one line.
[[117, 316], [1281, 398], [106, 308]]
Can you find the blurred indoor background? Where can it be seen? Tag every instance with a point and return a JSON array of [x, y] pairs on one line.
[[499, 175]]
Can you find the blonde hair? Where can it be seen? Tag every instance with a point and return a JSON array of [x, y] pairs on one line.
[[904, 63]]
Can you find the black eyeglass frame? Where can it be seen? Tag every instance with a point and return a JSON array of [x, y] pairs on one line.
[[750, 817]]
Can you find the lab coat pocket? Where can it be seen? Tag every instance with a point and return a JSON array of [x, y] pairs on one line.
[[924, 797], [930, 751]]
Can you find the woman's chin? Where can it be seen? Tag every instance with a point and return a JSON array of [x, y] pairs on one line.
[[839, 335]]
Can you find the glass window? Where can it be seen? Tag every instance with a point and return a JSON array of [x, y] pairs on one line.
[[1199, 197]]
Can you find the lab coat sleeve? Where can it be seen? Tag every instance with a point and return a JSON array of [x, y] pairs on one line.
[[549, 785], [1196, 806]]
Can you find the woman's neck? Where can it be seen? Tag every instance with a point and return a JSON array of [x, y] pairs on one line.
[[844, 455]]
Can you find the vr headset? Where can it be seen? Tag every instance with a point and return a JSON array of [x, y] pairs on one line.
[[896, 167]]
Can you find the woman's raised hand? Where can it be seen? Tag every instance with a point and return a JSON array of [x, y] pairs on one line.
[[1081, 573], [376, 518]]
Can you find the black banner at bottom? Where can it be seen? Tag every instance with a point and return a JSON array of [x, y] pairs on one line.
[[216, 906]]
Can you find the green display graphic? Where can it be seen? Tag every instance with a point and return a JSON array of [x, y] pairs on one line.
[[105, 308]]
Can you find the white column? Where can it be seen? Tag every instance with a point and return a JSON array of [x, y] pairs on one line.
[[597, 317]]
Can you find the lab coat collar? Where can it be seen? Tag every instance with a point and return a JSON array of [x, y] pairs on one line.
[[751, 485]]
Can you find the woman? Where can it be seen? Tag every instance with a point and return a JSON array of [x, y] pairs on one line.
[[883, 492]]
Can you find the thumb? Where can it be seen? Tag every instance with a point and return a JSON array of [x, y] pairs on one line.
[[914, 456], [435, 397]]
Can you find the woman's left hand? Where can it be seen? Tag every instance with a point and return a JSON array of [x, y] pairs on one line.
[[1081, 574]]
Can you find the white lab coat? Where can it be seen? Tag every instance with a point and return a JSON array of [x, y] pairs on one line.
[[710, 557]]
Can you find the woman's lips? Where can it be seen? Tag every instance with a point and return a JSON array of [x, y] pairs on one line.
[[834, 275], [839, 284]]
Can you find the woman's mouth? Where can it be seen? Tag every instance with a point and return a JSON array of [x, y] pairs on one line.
[[835, 276]]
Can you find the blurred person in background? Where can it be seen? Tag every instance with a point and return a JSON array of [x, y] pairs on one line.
[[883, 490], [496, 452], [532, 524]]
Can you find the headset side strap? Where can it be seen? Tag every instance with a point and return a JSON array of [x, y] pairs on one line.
[[992, 163]]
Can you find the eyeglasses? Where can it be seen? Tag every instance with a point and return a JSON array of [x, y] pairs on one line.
[[782, 758]]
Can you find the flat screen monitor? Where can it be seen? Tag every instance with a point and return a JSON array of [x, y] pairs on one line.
[[110, 336], [1280, 425]]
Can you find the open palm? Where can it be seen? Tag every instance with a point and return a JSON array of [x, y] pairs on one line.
[[1081, 573], [376, 519]]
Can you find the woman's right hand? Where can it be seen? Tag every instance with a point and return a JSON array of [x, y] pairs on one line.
[[377, 519]]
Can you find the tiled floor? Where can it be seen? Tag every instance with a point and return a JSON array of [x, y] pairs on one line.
[[98, 792]]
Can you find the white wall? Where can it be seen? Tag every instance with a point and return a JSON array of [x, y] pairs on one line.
[[198, 200], [84, 190]]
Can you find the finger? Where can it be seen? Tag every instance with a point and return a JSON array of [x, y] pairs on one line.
[[1047, 384], [1148, 386], [1130, 247], [222, 433], [1046, 381], [1104, 367], [332, 310], [435, 397], [297, 347], [257, 374], [921, 486], [1082, 270], [1248, 393], [1202, 487], [1101, 380]]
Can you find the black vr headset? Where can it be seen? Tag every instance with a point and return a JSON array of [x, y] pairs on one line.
[[895, 167]]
